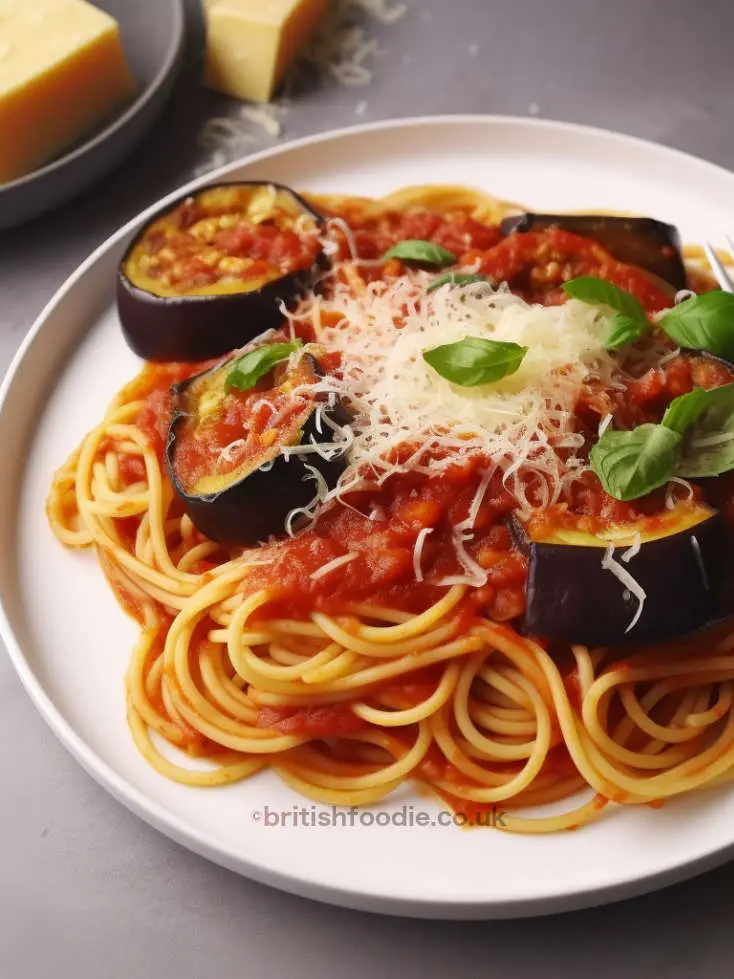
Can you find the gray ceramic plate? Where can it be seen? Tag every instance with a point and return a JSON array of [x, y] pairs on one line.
[[153, 37]]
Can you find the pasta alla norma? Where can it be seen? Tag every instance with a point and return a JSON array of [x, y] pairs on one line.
[[421, 488]]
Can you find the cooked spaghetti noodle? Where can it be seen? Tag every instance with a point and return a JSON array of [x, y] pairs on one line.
[[348, 674]]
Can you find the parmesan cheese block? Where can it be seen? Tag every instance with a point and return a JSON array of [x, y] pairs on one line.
[[62, 73], [251, 43]]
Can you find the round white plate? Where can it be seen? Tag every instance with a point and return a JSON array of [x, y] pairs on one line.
[[69, 641]]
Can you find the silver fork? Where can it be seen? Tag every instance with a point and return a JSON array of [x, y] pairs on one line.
[[719, 269]]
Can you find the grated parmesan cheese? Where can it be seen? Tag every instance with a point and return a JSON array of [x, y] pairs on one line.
[[418, 552], [699, 561], [475, 575], [610, 563], [468, 524], [518, 423], [671, 500], [338, 562], [385, 11], [265, 116], [633, 550], [341, 47]]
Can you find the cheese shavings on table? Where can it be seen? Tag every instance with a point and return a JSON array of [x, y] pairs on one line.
[[62, 74], [339, 49]]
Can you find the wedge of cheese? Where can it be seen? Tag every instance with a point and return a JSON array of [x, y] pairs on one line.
[[251, 43], [62, 73]]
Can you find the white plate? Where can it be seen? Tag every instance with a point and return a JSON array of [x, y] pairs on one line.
[[70, 642]]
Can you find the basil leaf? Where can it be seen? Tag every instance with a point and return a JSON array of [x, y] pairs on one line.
[[684, 411], [631, 464], [458, 279], [624, 330], [631, 321], [474, 360], [704, 322], [599, 292], [415, 250], [708, 448], [247, 370]]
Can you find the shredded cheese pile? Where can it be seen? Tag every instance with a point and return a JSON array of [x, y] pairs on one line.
[[519, 422], [342, 47]]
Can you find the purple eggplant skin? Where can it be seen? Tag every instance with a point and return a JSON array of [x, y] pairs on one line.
[[255, 508], [570, 597], [191, 328], [649, 244]]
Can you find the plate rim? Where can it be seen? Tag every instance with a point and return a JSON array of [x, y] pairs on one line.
[[119, 122], [202, 843]]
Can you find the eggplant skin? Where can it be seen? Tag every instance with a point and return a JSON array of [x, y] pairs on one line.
[[570, 597], [255, 508], [192, 328], [649, 244]]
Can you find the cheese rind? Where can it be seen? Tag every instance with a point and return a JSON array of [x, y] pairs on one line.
[[251, 43], [62, 72]]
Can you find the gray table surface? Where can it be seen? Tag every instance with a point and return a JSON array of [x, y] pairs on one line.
[[86, 889]]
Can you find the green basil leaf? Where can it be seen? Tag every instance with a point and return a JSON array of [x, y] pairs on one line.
[[708, 447], [704, 322], [474, 360], [599, 292], [246, 371], [415, 250], [631, 321], [624, 330], [458, 279], [631, 464], [684, 411]]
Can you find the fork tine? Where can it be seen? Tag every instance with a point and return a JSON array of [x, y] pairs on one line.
[[730, 243], [722, 276]]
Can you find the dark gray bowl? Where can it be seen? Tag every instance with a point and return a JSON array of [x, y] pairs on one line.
[[153, 37]]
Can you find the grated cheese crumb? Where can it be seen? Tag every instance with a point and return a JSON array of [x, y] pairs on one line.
[[338, 562], [418, 552], [610, 563], [265, 116]]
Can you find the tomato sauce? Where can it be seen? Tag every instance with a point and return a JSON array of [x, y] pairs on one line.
[[216, 238], [339, 720], [537, 263], [382, 571], [244, 428], [324, 721], [375, 235], [380, 527], [152, 387]]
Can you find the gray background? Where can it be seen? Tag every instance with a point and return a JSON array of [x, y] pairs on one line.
[[89, 891]]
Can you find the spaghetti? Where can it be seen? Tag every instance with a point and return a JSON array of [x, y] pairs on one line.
[[377, 642]]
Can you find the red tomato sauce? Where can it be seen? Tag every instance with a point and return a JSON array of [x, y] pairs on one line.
[[247, 423], [537, 263], [210, 239], [338, 719], [645, 398], [380, 527], [382, 572], [375, 235], [324, 721], [152, 387]]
